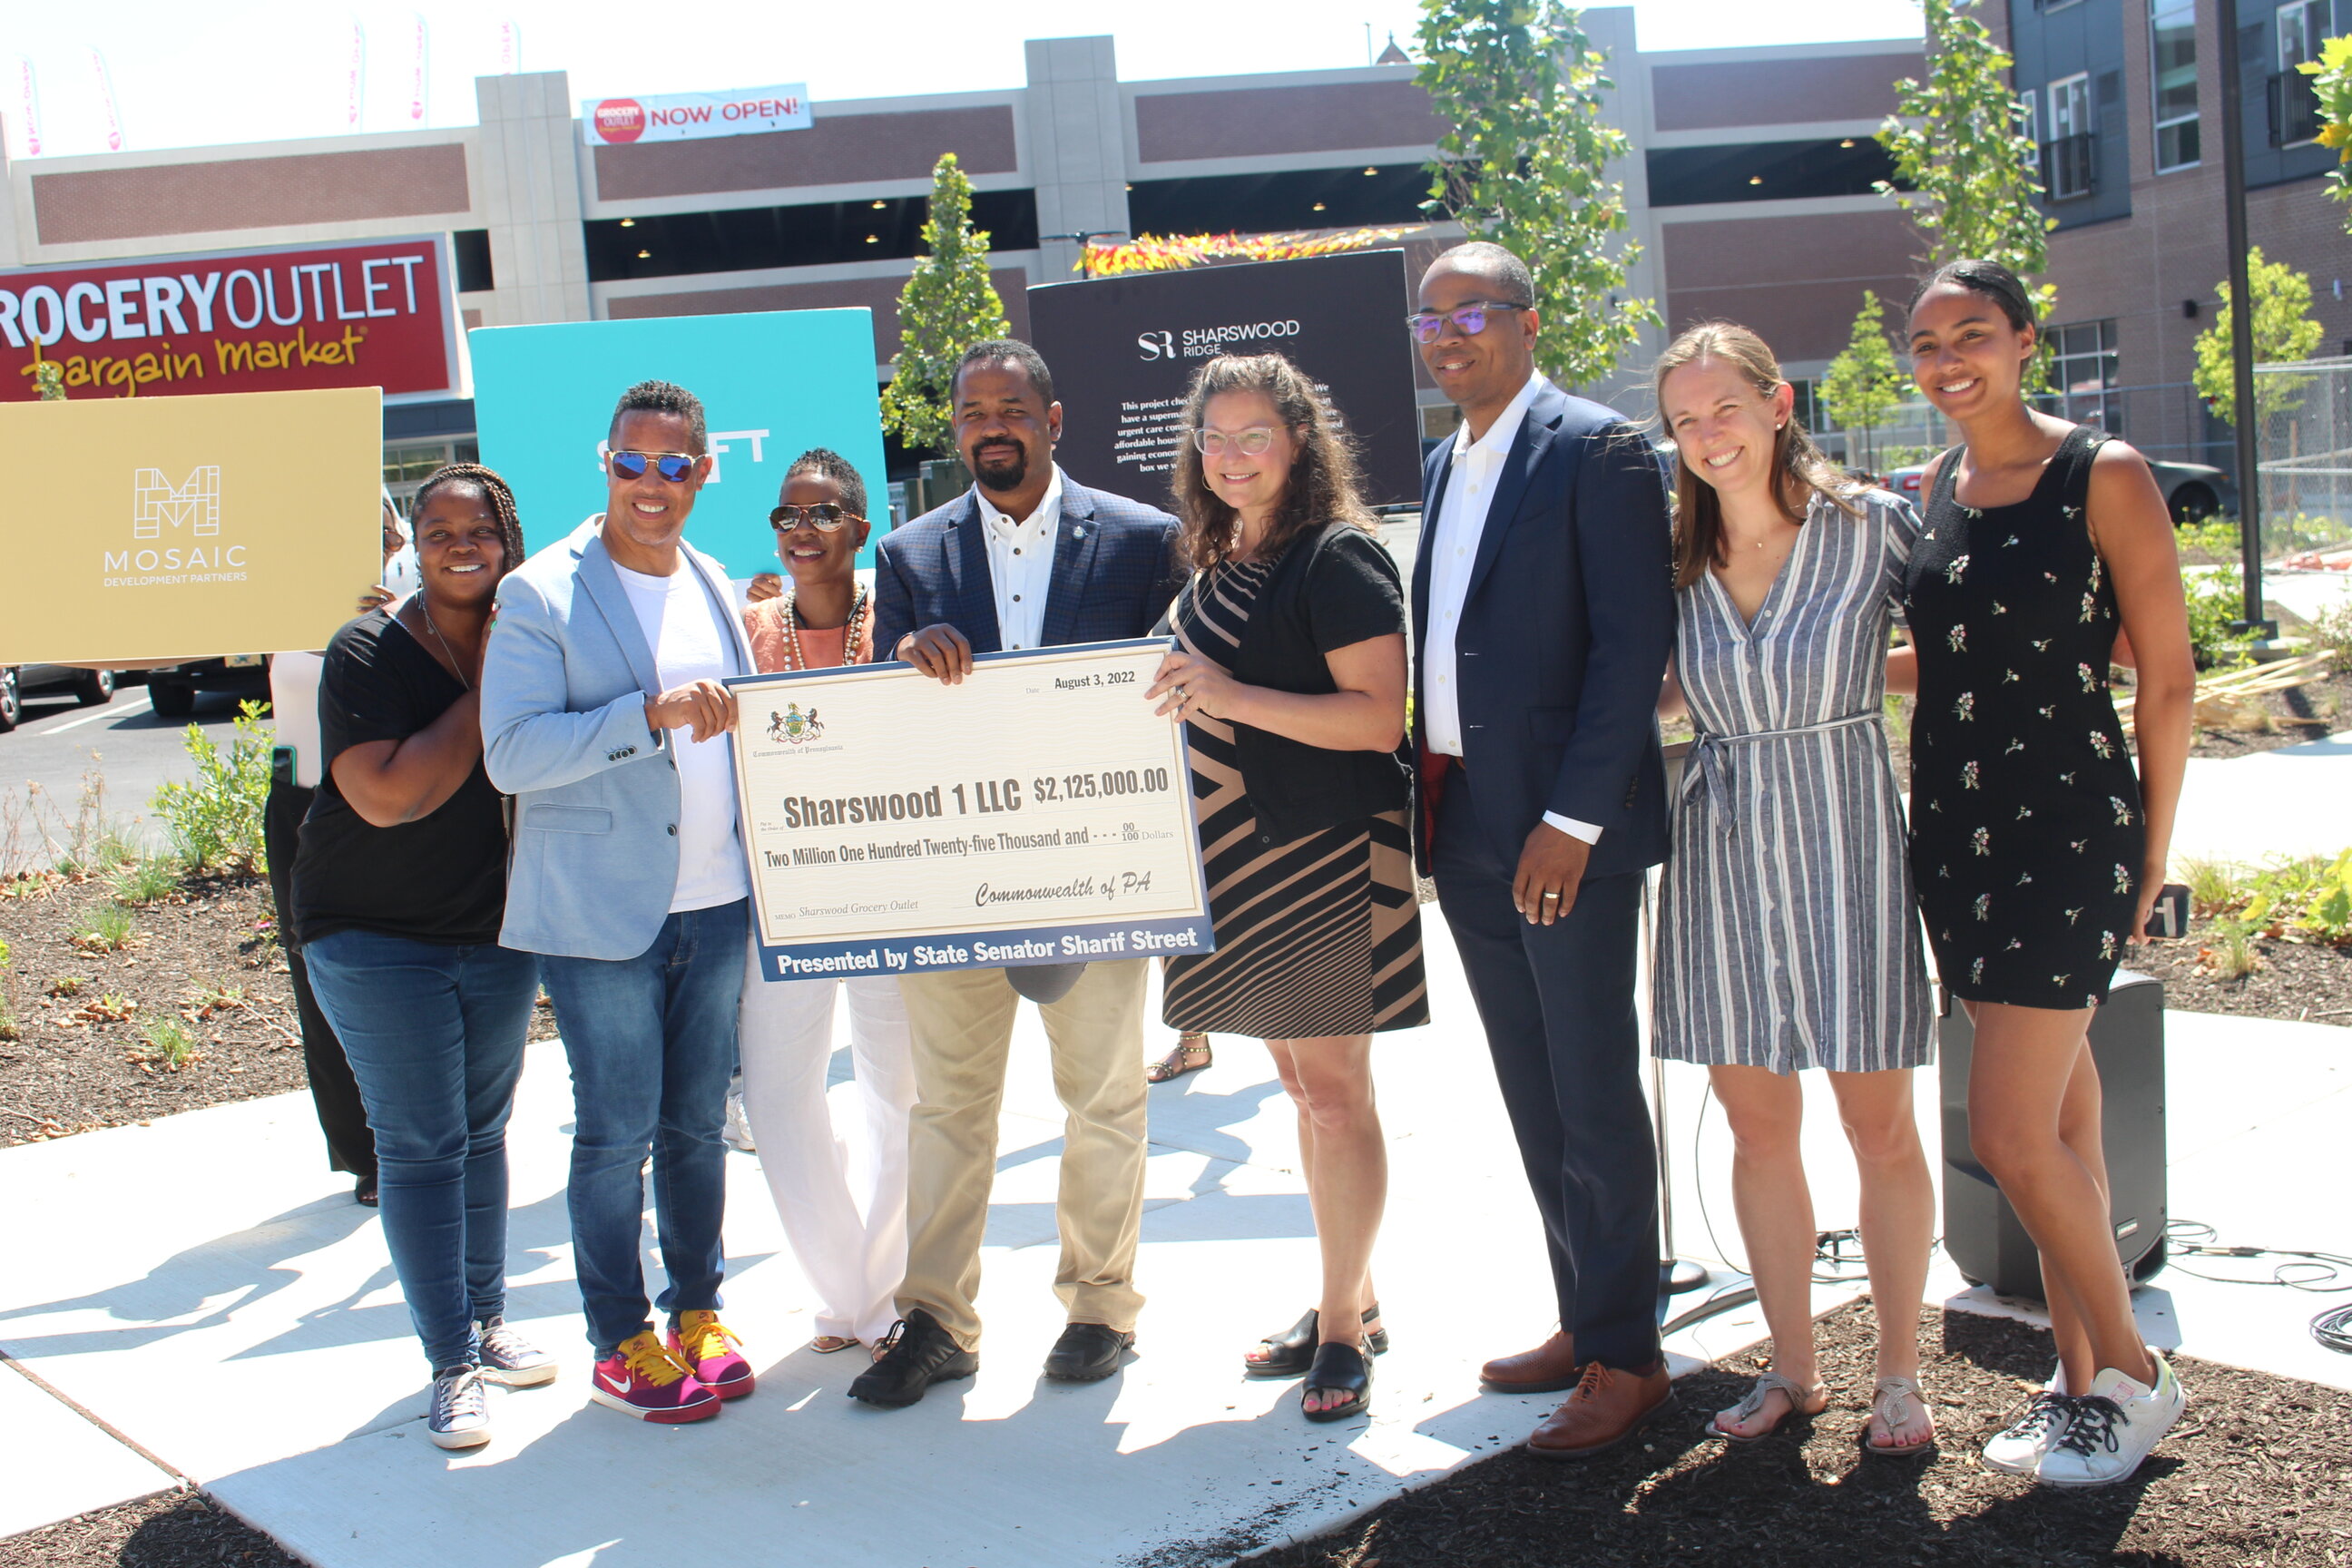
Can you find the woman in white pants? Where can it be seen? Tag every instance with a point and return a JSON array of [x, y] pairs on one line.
[[843, 1208]]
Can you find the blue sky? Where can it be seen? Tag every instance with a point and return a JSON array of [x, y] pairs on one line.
[[243, 71]]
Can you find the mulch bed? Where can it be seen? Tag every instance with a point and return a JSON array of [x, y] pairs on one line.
[[2295, 715], [76, 1063], [2300, 981], [2256, 1472], [72, 1066], [168, 1529]]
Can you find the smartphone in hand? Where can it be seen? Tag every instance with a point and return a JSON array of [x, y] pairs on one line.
[[2168, 917]]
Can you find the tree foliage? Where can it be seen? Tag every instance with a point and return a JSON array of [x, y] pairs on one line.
[[1525, 163], [1972, 175], [947, 305], [1864, 385], [2331, 83], [2284, 331]]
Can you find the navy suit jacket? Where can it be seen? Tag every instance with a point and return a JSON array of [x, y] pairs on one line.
[[1564, 636], [1114, 574]]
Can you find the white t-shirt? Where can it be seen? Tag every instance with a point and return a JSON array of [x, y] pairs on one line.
[[690, 644]]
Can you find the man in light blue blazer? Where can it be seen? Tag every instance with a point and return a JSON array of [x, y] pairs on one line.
[[602, 713]]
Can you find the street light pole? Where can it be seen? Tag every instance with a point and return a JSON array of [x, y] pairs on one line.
[[1081, 239], [2241, 329]]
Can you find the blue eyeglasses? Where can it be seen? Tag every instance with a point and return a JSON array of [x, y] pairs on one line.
[[672, 466], [1470, 318]]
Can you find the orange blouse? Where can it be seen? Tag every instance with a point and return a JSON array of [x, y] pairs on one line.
[[771, 639]]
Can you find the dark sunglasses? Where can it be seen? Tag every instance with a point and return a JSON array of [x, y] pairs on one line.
[[671, 466], [824, 517], [1425, 325]]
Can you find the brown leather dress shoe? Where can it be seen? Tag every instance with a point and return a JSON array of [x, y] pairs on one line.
[[1608, 1407], [1546, 1369]]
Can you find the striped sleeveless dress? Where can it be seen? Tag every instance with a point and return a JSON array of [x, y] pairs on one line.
[[1788, 935], [1318, 936]]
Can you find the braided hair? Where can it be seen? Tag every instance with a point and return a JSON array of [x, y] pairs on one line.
[[501, 498], [827, 464]]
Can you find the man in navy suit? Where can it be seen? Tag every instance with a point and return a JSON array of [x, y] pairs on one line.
[[1543, 608], [1026, 559]]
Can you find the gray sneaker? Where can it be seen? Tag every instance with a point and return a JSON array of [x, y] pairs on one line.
[[461, 1413], [510, 1359], [2018, 1449]]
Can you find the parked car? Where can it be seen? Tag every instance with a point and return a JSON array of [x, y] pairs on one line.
[[172, 688], [2192, 491], [88, 687]]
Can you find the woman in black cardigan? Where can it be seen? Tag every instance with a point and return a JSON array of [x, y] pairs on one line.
[[1292, 682]]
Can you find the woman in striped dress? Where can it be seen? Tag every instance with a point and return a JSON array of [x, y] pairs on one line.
[[1291, 680], [1787, 934]]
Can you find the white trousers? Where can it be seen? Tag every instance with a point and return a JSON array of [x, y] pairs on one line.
[[842, 1202]]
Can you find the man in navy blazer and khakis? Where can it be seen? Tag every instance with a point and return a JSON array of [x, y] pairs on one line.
[[1026, 559], [1544, 613]]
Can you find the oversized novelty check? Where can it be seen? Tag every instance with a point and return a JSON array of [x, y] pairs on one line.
[[1037, 812]]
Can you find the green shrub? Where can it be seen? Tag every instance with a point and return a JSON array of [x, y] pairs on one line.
[[2212, 543], [2215, 887], [2327, 912], [2331, 634], [169, 1044], [215, 818], [2231, 954], [2215, 600], [102, 928], [150, 881]]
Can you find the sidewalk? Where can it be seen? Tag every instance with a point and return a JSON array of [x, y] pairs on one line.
[[208, 1289]]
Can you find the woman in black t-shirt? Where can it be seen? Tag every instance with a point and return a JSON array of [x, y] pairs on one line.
[[399, 891]]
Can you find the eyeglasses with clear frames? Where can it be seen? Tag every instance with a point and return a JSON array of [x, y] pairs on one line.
[[1250, 443], [1470, 317]]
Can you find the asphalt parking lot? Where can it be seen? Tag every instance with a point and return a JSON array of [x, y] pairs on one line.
[[59, 740]]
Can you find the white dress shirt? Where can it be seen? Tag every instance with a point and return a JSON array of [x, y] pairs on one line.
[[1021, 563], [1460, 522]]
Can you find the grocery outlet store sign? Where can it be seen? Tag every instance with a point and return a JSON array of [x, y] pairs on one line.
[[375, 314], [687, 116]]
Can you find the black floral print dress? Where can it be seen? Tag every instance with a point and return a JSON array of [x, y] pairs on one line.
[[2026, 833]]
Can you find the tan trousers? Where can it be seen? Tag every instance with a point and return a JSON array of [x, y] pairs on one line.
[[963, 1021]]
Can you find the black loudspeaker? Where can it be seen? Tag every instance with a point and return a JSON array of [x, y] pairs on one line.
[[1980, 1230]]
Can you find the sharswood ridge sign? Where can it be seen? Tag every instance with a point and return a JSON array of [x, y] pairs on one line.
[[379, 312], [687, 116]]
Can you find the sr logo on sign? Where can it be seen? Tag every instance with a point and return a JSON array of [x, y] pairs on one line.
[[1155, 345]]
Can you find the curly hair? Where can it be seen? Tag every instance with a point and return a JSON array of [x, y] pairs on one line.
[[827, 464], [1324, 483], [665, 398], [501, 499]]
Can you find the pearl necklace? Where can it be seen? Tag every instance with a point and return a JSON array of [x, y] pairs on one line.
[[793, 658]]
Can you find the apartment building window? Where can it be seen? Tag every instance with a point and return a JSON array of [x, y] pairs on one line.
[[2083, 368], [2070, 155], [2172, 36], [2028, 117], [2294, 108]]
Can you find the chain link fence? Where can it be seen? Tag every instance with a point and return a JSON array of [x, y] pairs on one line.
[[2304, 453]]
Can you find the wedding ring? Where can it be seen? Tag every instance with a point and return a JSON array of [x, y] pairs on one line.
[[1552, 896]]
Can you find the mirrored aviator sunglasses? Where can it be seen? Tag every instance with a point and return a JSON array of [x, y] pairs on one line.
[[671, 466], [824, 517]]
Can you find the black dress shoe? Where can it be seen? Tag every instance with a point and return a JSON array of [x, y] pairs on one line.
[[918, 1354], [1087, 1352]]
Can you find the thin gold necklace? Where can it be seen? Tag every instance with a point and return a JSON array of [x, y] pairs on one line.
[[457, 665]]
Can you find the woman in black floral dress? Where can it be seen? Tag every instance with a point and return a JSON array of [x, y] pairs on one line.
[[2036, 848]]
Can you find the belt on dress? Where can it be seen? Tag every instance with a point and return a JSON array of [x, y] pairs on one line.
[[1710, 755]]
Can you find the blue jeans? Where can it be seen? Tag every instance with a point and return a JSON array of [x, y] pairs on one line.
[[435, 1035], [651, 1043]]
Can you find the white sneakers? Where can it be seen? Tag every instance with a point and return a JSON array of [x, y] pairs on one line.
[[738, 1132], [2093, 1439], [2111, 1428], [460, 1413]]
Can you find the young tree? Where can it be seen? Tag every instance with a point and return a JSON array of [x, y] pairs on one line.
[[1864, 385], [947, 305], [1964, 170], [2331, 76], [1525, 164], [2284, 331]]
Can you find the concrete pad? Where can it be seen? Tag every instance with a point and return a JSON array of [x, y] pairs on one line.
[[2250, 810], [60, 1462]]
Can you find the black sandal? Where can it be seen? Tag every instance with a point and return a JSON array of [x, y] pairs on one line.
[[1339, 1369], [1293, 1350]]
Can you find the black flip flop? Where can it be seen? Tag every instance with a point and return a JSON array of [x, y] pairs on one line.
[[1339, 1369], [1294, 1348]]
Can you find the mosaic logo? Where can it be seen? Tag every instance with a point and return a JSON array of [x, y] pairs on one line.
[[191, 510], [195, 505]]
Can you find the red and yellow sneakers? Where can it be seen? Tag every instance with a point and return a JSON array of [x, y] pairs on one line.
[[699, 1343], [643, 1378]]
